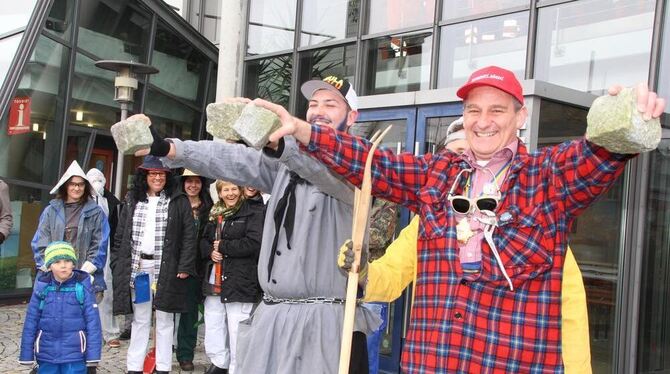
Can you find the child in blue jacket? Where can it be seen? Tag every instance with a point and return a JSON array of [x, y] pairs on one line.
[[62, 327]]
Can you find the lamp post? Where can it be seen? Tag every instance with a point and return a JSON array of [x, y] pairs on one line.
[[125, 85]]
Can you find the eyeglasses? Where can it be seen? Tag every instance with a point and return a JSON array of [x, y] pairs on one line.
[[156, 174], [464, 205], [76, 185]]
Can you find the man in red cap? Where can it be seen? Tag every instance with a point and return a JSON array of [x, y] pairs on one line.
[[493, 227]]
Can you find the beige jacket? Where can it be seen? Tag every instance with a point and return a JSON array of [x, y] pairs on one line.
[[6, 219]]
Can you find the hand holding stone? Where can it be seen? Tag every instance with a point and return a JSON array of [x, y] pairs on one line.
[[627, 120]]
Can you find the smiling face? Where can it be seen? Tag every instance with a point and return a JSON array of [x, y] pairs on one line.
[[192, 186], [250, 192], [76, 187], [229, 193], [62, 269], [156, 181], [327, 108], [490, 120]]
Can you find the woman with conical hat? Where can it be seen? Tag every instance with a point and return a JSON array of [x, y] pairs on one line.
[[73, 216]]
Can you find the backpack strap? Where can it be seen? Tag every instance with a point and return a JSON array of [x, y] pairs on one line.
[[78, 290]]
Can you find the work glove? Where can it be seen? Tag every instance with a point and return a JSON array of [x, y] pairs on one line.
[[160, 147], [345, 259]]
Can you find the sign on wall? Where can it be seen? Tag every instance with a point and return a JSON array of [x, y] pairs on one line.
[[19, 116]]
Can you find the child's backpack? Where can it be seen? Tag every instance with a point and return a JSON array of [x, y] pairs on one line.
[[78, 290]]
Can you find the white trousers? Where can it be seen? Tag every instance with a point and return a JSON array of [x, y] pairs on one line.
[[110, 327], [141, 330], [221, 321]]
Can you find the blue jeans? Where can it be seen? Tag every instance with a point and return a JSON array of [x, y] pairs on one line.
[[69, 368], [375, 338]]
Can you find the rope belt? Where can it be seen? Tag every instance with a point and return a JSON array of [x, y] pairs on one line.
[[310, 300]]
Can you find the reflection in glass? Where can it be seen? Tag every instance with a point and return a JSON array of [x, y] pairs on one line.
[[270, 79], [28, 154], [594, 242], [327, 20], [8, 48], [182, 67], [212, 21], [171, 118], [654, 331], [15, 14], [560, 122], [75, 147], [320, 63], [194, 14], [93, 102], [59, 21], [395, 139], [466, 47], [398, 64], [385, 15], [590, 45], [452, 9], [271, 26], [594, 238], [118, 32], [17, 266], [436, 132]]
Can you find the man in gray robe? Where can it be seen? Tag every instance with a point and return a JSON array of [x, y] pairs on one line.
[[298, 326]]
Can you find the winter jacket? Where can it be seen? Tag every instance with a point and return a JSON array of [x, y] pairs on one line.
[[114, 211], [60, 326], [92, 237], [240, 246], [179, 252], [203, 214]]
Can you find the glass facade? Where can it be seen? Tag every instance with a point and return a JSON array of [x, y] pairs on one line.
[[453, 9], [271, 26], [398, 63], [270, 79], [62, 107], [468, 46], [590, 45], [654, 327], [14, 15], [326, 20], [388, 15], [339, 61]]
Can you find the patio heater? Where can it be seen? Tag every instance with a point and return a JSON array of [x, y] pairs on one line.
[[125, 85]]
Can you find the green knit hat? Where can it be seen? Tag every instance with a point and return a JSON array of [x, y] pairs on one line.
[[59, 251]]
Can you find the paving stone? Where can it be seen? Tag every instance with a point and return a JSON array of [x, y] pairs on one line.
[[113, 359]]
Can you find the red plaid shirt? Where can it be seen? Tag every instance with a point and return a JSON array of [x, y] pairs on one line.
[[480, 326]]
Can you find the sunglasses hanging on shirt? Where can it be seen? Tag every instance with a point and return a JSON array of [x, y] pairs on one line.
[[488, 201]]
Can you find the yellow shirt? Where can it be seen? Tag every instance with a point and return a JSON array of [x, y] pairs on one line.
[[389, 275]]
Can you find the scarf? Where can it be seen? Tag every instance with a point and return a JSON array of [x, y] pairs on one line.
[[139, 222], [220, 209]]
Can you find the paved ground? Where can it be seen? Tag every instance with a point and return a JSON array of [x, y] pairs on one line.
[[113, 359]]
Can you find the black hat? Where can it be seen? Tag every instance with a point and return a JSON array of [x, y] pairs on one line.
[[153, 163]]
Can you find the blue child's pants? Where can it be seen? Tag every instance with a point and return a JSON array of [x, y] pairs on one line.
[[69, 368]]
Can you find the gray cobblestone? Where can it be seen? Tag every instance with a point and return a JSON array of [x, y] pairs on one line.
[[113, 359]]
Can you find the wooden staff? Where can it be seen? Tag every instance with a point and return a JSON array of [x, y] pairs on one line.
[[359, 225]]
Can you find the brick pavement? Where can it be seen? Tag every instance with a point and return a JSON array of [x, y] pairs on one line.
[[113, 359]]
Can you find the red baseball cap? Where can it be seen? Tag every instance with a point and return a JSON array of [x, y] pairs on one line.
[[493, 76]]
